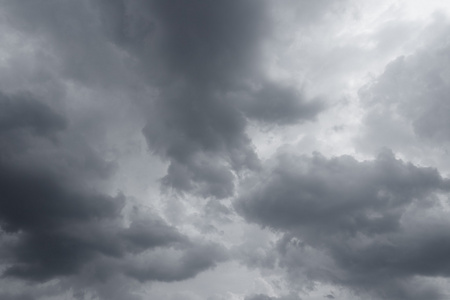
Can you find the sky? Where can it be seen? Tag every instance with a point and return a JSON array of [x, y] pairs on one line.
[[224, 149]]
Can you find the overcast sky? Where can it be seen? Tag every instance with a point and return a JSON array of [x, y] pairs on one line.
[[224, 149]]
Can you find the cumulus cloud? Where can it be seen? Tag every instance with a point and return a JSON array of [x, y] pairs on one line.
[[354, 223], [200, 56], [408, 100], [56, 223], [144, 143]]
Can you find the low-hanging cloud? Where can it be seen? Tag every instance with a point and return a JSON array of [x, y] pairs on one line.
[[354, 223], [200, 56], [122, 123], [58, 224]]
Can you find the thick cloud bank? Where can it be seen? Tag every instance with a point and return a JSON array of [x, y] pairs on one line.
[[364, 225], [205, 61], [224, 149], [57, 224]]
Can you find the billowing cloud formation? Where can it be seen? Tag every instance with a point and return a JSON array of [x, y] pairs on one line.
[[123, 123], [355, 224], [407, 104], [57, 223], [202, 56], [194, 70]]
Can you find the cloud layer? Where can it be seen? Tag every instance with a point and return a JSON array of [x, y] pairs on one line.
[[57, 224], [354, 223], [228, 149]]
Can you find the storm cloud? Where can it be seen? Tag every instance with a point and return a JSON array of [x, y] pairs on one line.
[[55, 221], [354, 223], [201, 56], [226, 149]]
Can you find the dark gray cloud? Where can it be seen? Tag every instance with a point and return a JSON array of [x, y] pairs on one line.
[[201, 56], [277, 104], [68, 42], [198, 78], [40, 201], [352, 193], [57, 222], [259, 297], [354, 223], [150, 233], [188, 265], [201, 59], [265, 297], [16, 297], [23, 112]]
